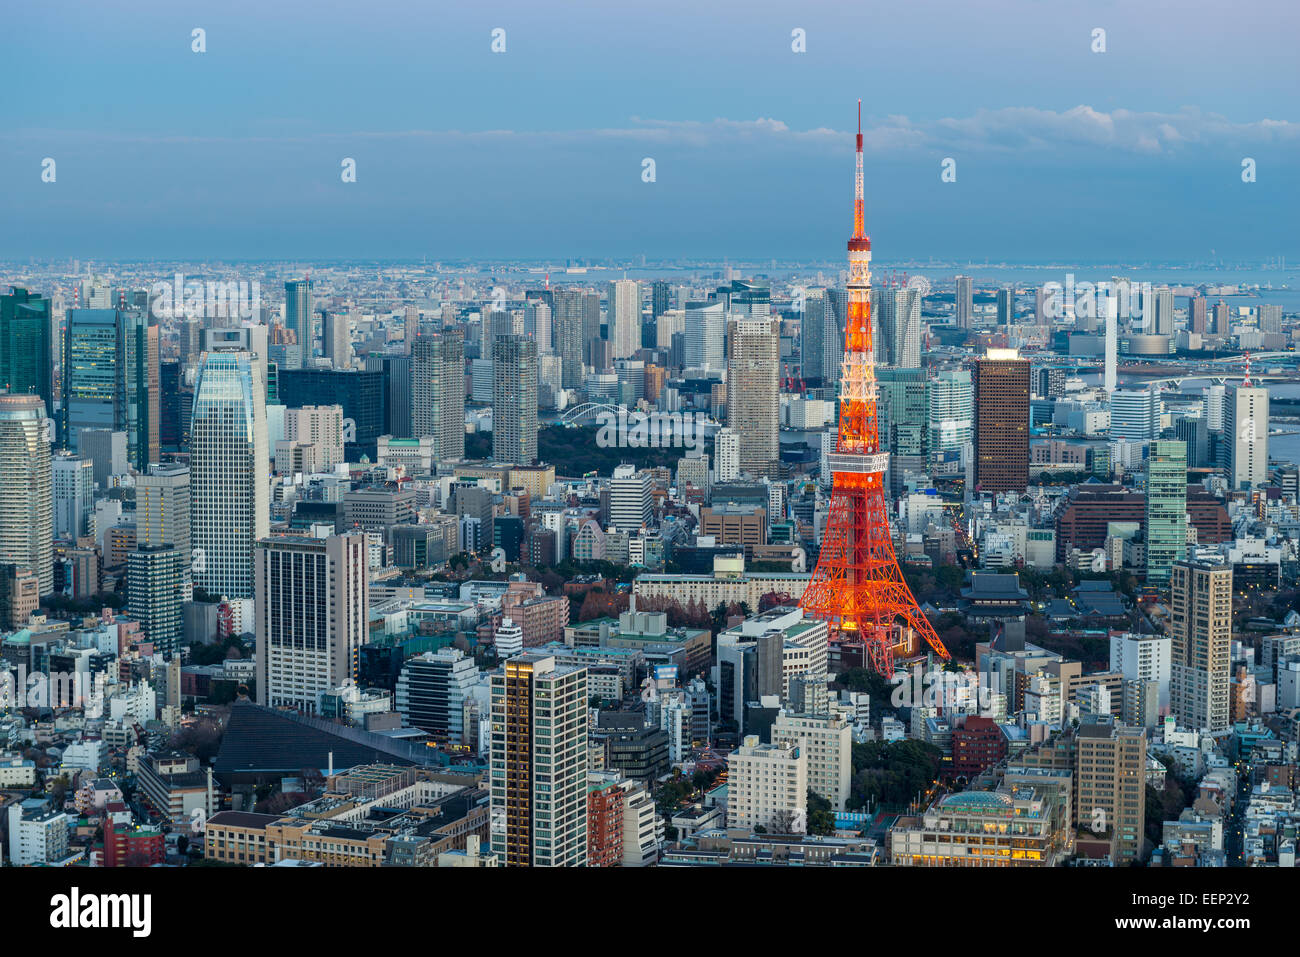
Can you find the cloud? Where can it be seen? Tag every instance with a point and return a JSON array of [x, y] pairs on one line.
[[996, 130]]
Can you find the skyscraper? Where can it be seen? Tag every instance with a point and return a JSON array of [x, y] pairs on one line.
[[1245, 435], [753, 392], [1001, 421], [514, 400], [162, 507], [624, 317], [338, 339], [1006, 306], [26, 488], [111, 379], [26, 356], [1201, 629], [1166, 508], [703, 336], [158, 586], [312, 599], [903, 411], [952, 411], [74, 495], [438, 392], [1196, 314], [1270, 318], [299, 316], [898, 316], [576, 324], [1163, 313], [1135, 414], [812, 333], [965, 302], [539, 762], [229, 472], [660, 298]]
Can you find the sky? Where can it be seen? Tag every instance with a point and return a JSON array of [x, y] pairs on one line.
[[1061, 154]]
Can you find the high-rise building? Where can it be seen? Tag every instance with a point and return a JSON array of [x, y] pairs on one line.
[[20, 596], [1135, 414], [726, 455], [1196, 314], [162, 507], [1162, 316], [432, 692], [660, 298], [576, 324], [396, 371], [897, 311], [338, 339], [1245, 435], [111, 379], [753, 392], [26, 356], [704, 336], [826, 740], [1270, 318], [229, 473], [299, 315], [438, 392], [624, 317], [952, 411], [1110, 771], [74, 495], [767, 786], [1006, 303], [539, 762], [312, 599], [538, 325], [1001, 391], [903, 421], [1201, 648], [320, 426], [630, 503], [158, 586], [1166, 508], [965, 302], [514, 400], [1222, 319], [26, 488], [812, 336]]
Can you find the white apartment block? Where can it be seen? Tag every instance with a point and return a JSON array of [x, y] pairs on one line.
[[767, 785], [827, 745]]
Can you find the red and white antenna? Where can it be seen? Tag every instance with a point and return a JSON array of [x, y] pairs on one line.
[[1245, 383], [859, 205]]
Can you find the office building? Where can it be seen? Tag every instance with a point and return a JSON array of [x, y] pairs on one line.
[[1110, 784], [359, 393], [576, 324], [1245, 435], [1166, 509], [299, 316], [624, 317], [111, 379], [1001, 390], [630, 503], [514, 400], [952, 411], [1201, 647], [704, 336], [753, 393], [539, 762], [1135, 414], [432, 693], [162, 507], [229, 473], [26, 357], [312, 599], [73, 480], [897, 311]]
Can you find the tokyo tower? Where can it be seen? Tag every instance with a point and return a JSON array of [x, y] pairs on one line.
[[857, 586]]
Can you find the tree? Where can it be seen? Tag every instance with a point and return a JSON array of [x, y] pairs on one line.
[[821, 817]]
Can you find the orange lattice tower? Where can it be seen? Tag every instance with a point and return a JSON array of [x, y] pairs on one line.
[[857, 586]]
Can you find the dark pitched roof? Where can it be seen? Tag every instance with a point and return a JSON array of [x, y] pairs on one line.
[[260, 739]]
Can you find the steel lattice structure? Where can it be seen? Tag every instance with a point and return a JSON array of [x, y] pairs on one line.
[[857, 586]]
